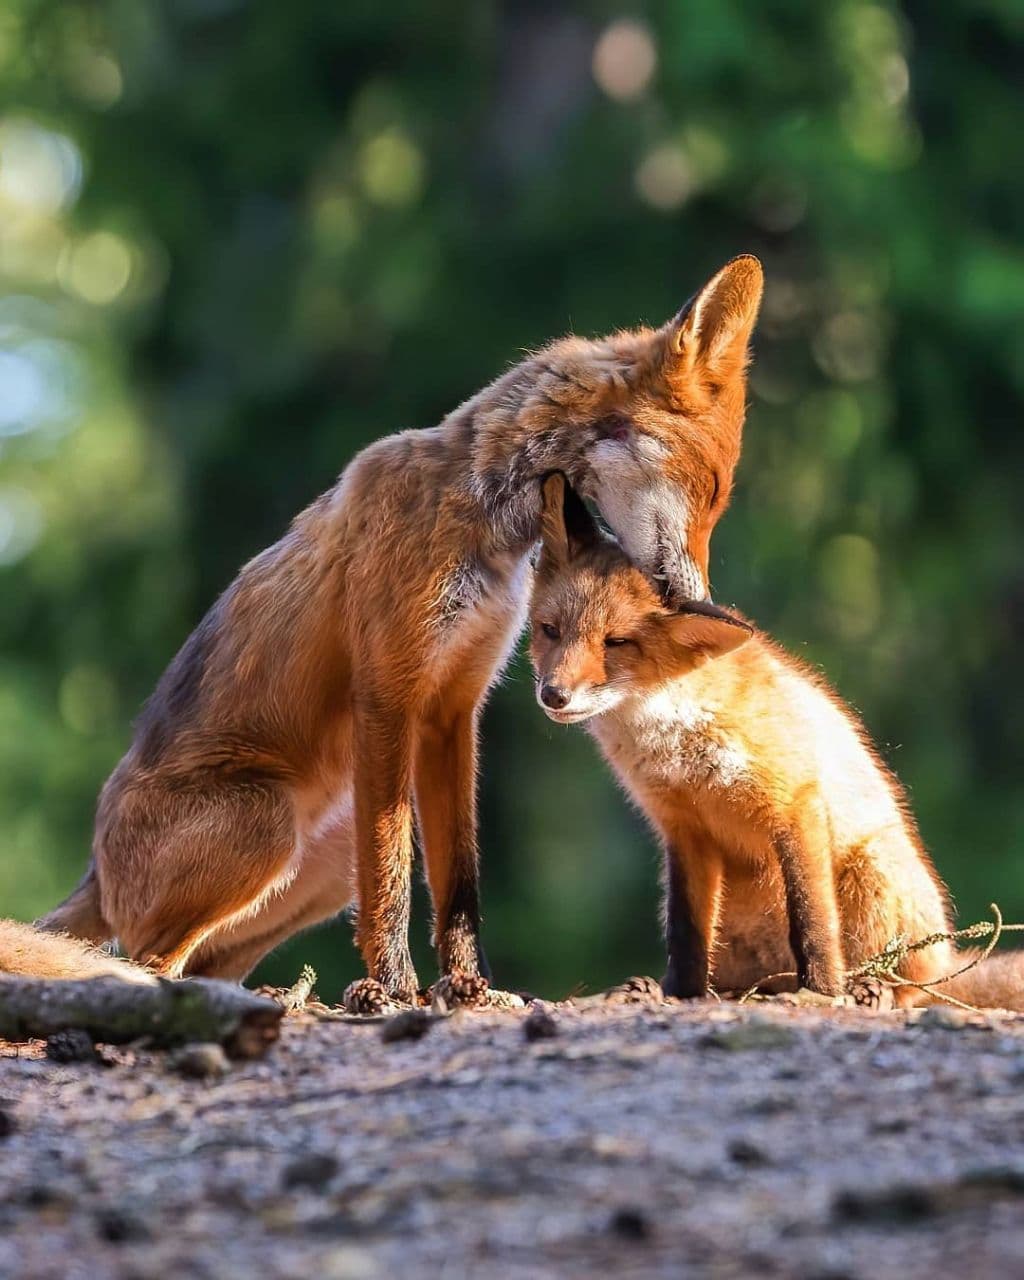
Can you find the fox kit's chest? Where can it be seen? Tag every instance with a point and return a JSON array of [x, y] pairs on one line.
[[668, 739]]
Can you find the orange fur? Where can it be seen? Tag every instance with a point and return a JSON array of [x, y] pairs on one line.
[[789, 845], [334, 688]]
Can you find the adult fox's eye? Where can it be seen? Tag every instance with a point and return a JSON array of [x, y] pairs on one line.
[[716, 489], [615, 426], [615, 642], [550, 631]]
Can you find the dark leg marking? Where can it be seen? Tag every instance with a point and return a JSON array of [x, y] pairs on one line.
[[812, 934], [686, 977]]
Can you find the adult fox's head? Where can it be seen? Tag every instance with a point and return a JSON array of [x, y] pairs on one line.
[[646, 423], [600, 632]]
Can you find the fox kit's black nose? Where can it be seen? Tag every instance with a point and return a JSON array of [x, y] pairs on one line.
[[554, 697]]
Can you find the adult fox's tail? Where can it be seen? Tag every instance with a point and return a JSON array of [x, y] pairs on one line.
[[80, 914], [45, 950], [28, 952], [995, 983]]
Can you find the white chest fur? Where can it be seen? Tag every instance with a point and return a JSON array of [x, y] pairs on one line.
[[480, 612], [667, 738]]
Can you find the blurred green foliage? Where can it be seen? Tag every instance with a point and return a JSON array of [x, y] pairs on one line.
[[240, 240]]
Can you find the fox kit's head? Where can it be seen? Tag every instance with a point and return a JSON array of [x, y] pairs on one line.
[[656, 419], [599, 631]]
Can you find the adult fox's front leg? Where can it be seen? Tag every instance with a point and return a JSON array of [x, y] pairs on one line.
[[382, 778], [445, 777]]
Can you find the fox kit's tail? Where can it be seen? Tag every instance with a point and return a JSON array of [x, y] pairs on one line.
[[80, 914], [995, 983], [28, 952]]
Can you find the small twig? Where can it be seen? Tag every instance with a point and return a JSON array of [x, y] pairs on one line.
[[294, 999], [984, 928], [751, 991]]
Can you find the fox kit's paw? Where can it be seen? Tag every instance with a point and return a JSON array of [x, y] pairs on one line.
[[870, 993], [460, 990], [366, 996], [636, 991], [674, 987]]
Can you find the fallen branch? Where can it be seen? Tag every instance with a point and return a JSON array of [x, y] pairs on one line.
[[165, 1013]]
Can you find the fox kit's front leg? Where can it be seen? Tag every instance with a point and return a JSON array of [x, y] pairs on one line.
[[803, 853], [382, 778], [445, 774], [693, 894]]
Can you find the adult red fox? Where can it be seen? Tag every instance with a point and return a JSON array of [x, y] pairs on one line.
[[337, 682], [789, 847]]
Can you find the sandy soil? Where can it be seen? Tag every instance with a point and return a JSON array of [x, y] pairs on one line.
[[659, 1140]]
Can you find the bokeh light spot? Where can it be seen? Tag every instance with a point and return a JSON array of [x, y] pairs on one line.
[[848, 575], [624, 59], [24, 393], [38, 379], [21, 523], [40, 171], [895, 76], [97, 268], [849, 346], [335, 221], [95, 77], [392, 168], [664, 179], [87, 698]]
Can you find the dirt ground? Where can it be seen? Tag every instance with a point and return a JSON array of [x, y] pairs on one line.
[[655, 1140]]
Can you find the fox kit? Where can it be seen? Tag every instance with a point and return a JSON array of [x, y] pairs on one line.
[[788, 845], [336, 685]]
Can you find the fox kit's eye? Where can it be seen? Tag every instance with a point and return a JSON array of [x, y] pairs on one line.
[[716, 489], [552, 632], [615, 642]]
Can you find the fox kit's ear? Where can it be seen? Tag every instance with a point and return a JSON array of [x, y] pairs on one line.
[[715, 325], [566, 526], [707, 629]]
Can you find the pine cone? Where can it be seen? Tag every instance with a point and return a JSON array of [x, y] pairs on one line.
[[367, 997], [71, 1045], [460, 990]]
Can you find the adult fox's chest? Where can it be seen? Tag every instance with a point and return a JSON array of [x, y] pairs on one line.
[[477, 613]]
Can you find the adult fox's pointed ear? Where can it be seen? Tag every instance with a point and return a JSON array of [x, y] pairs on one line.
[[566, 526], [713, 329], [706, 629]]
